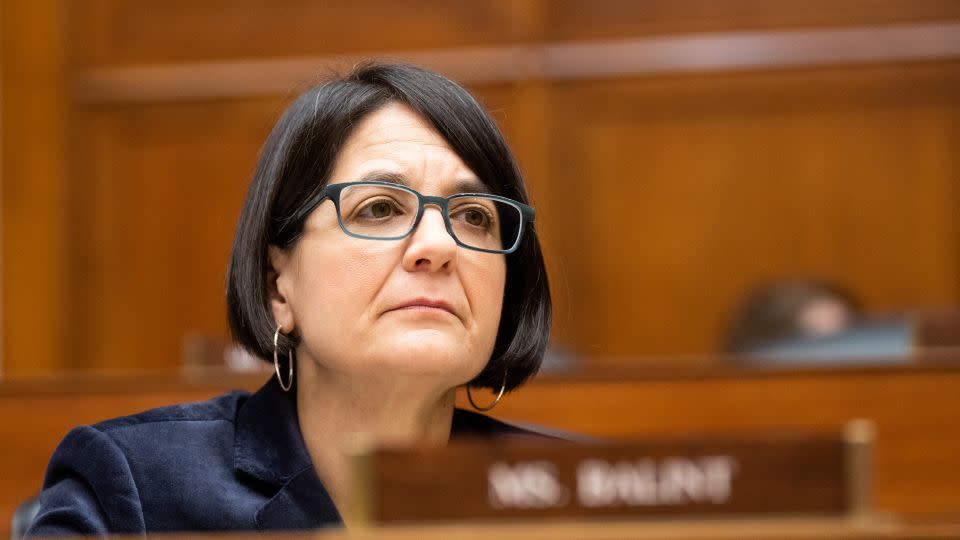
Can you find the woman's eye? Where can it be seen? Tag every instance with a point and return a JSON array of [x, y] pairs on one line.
[[475, 217], [379, 210]]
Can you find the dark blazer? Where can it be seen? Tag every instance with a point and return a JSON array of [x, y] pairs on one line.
[[236, 462]]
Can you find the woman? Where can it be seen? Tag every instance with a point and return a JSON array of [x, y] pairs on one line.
[[384, 256]]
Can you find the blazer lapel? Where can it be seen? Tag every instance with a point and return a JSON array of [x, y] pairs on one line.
[[302, 503], [268, 447]]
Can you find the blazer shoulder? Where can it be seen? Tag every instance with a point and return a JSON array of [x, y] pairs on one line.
[[116, 475], [222, 407], [89, 489]]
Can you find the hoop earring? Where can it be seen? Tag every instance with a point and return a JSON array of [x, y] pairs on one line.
[[503, 388], [276, 363]]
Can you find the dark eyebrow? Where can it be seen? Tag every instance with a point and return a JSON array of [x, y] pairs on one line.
[[385, 176], [461, 186], [471, 186]]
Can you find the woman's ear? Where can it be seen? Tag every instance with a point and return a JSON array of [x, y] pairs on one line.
[[279, 288]]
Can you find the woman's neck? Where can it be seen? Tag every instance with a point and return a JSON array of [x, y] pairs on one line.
[[339, 416]]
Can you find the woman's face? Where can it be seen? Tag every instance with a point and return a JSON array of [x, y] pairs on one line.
[[420, 306]]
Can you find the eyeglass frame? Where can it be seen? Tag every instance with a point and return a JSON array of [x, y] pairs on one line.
[[332, 192]]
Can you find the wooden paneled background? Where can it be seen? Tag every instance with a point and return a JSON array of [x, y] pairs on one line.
[[677, 153]]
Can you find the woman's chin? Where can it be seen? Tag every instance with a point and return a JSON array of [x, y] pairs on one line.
[[430, 351]]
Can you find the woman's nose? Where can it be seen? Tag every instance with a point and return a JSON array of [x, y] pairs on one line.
[[430, 246]]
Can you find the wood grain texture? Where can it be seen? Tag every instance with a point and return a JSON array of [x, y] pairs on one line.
[[712, 529], [163, 189], [698, 188], [37, 211], [797, 474], [148, 31], [121, 32], [589, 19], [713, 52]]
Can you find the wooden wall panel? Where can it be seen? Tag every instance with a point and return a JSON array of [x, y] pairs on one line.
[[695, 186], [162, 192], [110, 32], [688, 192], [128, 32], [37, 210]]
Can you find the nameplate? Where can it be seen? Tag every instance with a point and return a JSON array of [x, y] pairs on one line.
[[790, 475]]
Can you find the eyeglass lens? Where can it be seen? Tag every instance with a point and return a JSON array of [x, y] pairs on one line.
[[385, 212]]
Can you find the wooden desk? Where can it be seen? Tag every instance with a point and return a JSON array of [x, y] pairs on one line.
[[916, 410], [781, 529]]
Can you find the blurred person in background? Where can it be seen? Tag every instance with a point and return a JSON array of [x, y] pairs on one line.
[[789, 311], [810, 321]]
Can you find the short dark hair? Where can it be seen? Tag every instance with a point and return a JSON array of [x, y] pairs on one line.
[[295, 164]]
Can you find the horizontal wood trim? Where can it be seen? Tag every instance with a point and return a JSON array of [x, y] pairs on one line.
[[248, 78], [604, 19], [593, 370], [734, 51], [691, 53], [120, 32], [792, 528]]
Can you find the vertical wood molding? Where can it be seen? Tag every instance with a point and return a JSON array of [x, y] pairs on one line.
[[3, 49], [36, 191]]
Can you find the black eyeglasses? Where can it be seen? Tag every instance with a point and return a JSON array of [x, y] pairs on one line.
[[387, 211]]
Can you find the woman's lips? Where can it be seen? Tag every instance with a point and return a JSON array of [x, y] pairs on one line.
[[424, 304]]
